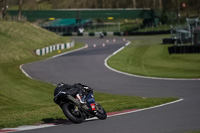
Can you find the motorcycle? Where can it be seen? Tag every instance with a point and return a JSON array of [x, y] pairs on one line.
[[101, 34], [77, 112]]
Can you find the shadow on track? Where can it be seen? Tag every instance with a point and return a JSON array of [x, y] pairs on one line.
[[56, 121], [61, 121]]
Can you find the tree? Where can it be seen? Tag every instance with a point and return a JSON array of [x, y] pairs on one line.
[[154, 4], [198, 9], [102, 3], [134, 4], [95, 3], [116, 3], [178, 11], [3, 8], [30, 4], [195, 6], [160, 5], [20, 10]]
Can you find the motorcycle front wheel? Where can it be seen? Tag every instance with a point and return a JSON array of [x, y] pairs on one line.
[[101, 113], [71, 111]]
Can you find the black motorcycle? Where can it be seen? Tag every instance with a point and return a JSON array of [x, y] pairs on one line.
[[77, 112]]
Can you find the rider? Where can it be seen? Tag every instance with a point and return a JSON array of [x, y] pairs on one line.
[[101, 34], [77, 90]]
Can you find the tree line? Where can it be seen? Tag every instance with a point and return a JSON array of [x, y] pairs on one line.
[[188, 6]]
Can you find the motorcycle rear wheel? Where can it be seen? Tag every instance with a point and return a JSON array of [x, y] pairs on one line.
[[70, 112], [101, 113]]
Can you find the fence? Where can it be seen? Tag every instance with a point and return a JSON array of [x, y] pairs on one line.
[[87, 13], [52, 48]]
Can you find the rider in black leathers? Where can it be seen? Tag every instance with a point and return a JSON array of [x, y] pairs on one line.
[[76, 90]]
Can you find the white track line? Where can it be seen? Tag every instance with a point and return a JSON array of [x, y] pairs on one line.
[[179, 100], [133, 75], [27, 75], [69, 52], [22, 128], [31, 127]]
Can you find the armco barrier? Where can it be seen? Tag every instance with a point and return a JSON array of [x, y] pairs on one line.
[[55, 47], [148, 33], [184, 49], [176, 41]]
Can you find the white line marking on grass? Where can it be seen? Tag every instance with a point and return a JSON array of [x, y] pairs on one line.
[[68, 52], [133, 75], [28, 127], [31, 127], [118, 50], [179, 100], [138, 110], [27, 75]]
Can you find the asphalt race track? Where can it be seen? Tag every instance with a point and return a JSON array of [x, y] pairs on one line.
[[87, 66]]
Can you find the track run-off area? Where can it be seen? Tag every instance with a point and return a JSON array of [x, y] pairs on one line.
[[88, 66]]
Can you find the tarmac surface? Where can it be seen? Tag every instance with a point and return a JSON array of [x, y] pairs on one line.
[[87, 66]]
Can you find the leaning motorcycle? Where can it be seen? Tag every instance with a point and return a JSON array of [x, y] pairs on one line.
[[77, 112]]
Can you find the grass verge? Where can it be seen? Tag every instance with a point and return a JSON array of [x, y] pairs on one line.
[[24, 101], [148, 58]]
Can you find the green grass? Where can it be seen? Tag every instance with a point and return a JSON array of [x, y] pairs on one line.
[[148, 57], [117, 102], [19, 40], [24, 101]]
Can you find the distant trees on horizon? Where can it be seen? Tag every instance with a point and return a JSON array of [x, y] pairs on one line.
[[188, 6]]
